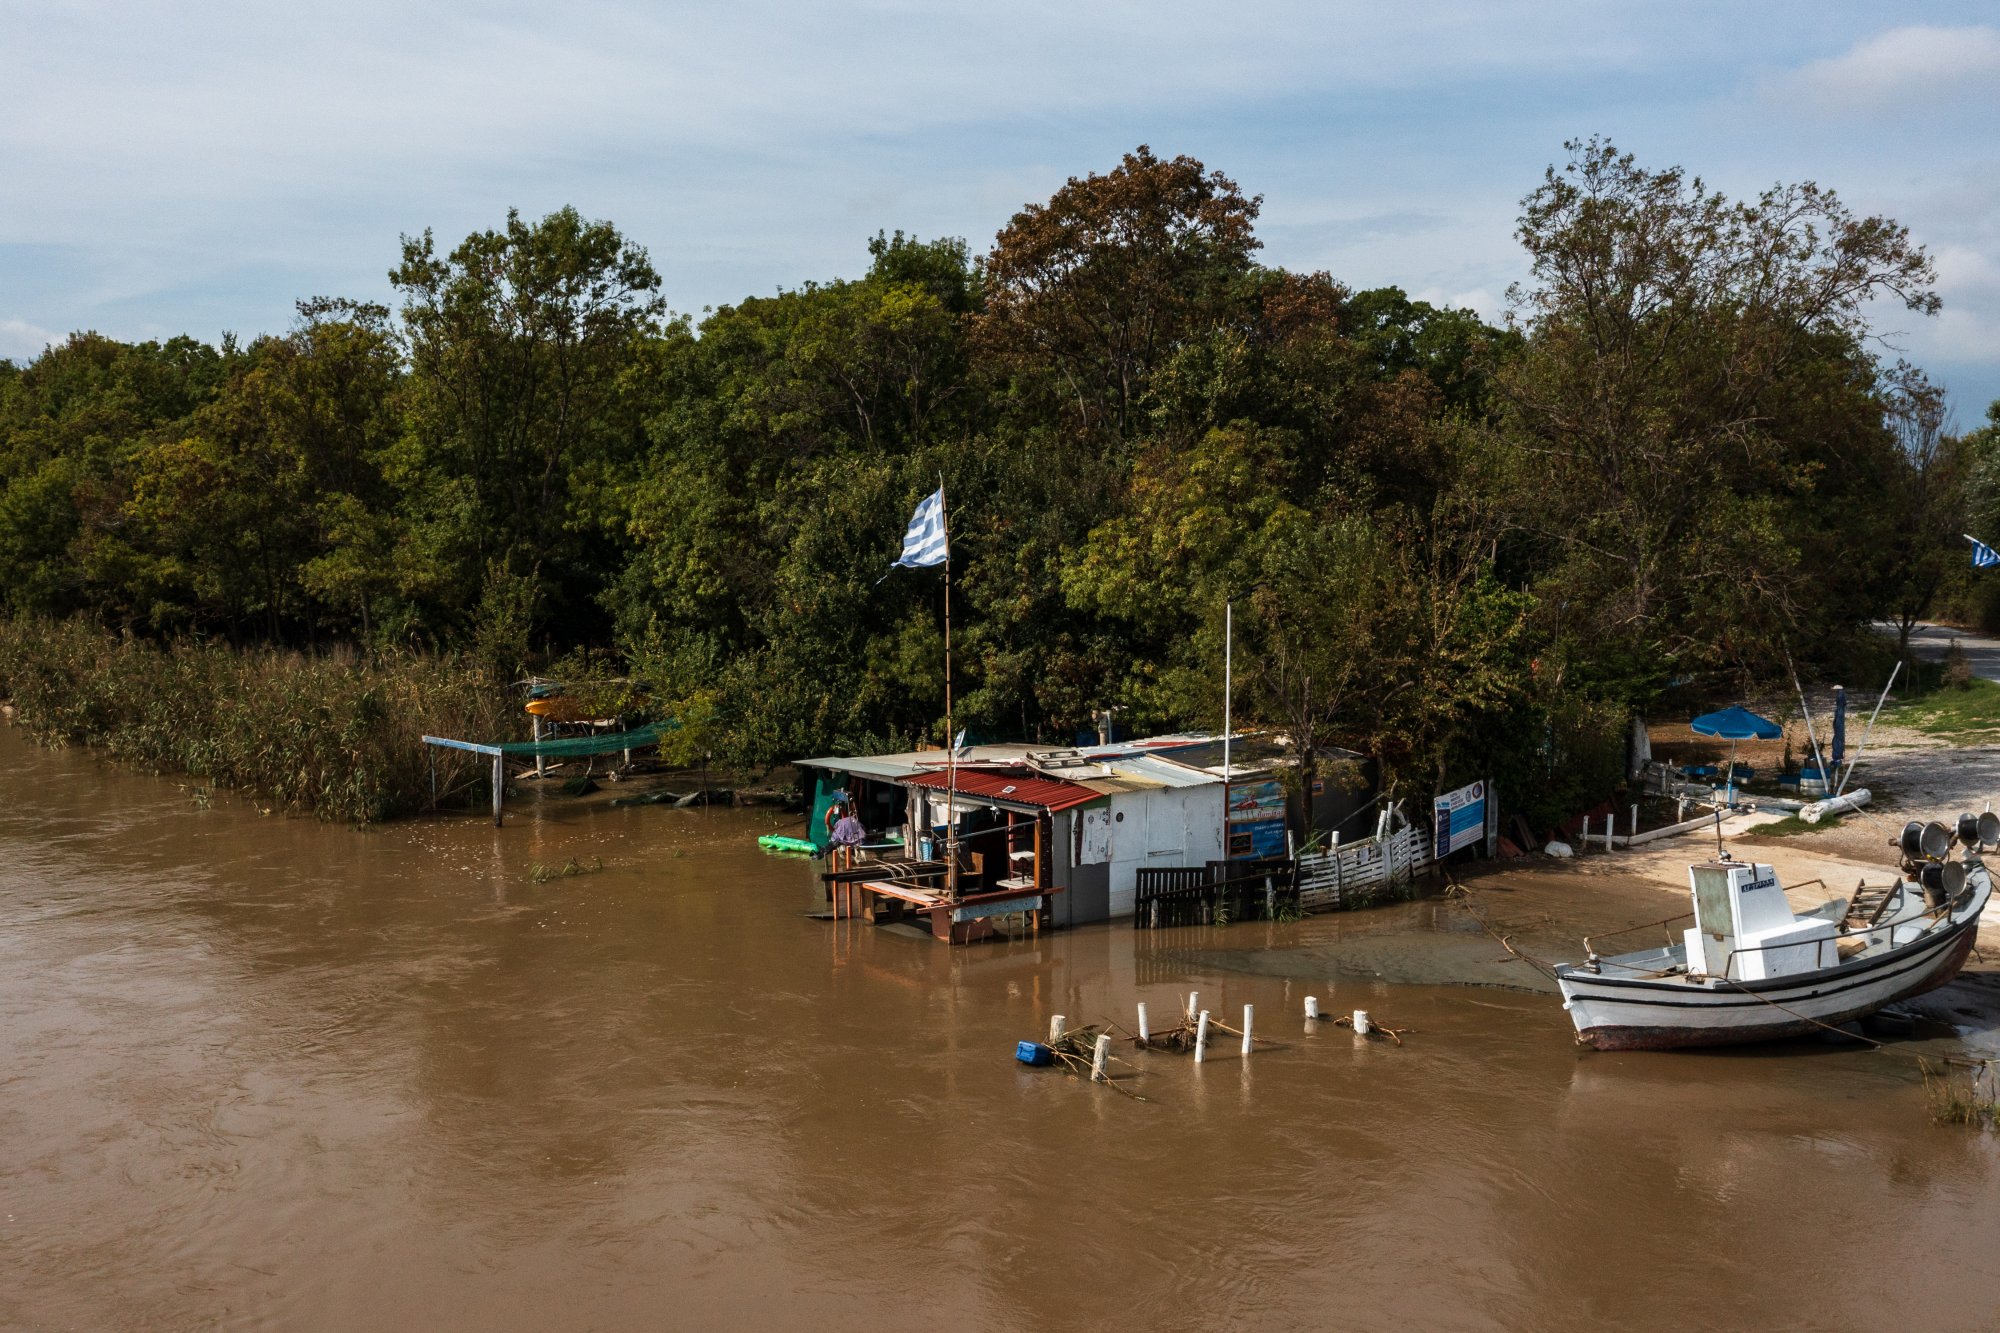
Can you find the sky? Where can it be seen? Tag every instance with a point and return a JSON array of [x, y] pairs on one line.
[[177, 168]]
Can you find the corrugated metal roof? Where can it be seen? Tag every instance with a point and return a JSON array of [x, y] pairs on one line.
[[1160, 771], [896, 767], [1009, 788]]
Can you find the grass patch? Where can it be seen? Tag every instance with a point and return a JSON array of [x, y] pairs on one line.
[[1791, 826], [1970, 713]]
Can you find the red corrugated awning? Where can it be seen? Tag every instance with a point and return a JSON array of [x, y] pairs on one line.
[[1014, 788]]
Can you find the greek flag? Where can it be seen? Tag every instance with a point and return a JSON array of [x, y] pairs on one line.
[[1983, 556], [924, 544]]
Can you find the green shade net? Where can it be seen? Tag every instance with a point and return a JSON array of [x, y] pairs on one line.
[[609, 742]]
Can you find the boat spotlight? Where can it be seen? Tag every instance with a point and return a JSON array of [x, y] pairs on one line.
[[1912, 841], [1936, 841], [1968, 830], [1954, 880], [1989, 829]]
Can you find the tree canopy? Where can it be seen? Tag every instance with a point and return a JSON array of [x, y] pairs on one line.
[[1471, 549]]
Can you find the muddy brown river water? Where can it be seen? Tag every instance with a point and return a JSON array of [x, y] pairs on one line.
[[260, 1073]]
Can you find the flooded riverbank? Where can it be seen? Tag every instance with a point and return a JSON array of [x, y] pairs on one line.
[[257, 1071]]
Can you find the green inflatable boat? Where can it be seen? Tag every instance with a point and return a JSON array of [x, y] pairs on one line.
[[778, 842]]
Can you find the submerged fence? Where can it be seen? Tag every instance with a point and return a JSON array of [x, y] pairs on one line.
[[1262, 889], [1354, 874], [1351, 874]]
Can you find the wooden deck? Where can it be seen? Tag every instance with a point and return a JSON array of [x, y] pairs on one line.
[[890, 889]]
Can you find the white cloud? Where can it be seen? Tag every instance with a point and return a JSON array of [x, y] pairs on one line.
[[22, 341], [1908, 67]]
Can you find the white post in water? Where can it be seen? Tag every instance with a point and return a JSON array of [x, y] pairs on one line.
[[1194, 997], [1361, 1028], [1145, 1034], [1201, 1038], [1312, 1007], [1056, 1028], [499, 787], [1099, 1056], [1249, 1013], [541, 764]]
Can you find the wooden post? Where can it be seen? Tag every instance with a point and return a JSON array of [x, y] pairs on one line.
[[1633, 831], [1201, 1038], [499, 786], [1249, 1013], [1145, 1033], [1098, 1057]]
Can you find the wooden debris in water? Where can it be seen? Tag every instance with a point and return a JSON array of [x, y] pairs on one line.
[[542, 874], [1180, 1038], [1075, 1049], [1375, 1025]]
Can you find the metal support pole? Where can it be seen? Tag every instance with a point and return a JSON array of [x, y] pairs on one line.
[[499, 787]]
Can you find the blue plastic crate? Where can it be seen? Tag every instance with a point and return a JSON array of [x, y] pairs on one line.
[[1033, 1053]]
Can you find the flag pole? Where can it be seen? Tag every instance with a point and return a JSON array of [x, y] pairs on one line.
[[950, 736]]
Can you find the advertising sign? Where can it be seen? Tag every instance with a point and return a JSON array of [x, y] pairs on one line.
[[1256, 818], [1460, 818]]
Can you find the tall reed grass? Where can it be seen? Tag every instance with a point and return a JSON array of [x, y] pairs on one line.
[[334, 735]]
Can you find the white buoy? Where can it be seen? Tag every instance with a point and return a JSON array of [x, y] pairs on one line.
[[1056, 1028], [1099, 1056], [1312, 1006], [1249, 1012], [1361, 1028], [1201, 1038], [1145, 1034]]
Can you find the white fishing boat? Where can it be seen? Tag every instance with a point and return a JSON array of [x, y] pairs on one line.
[[1750, 969]]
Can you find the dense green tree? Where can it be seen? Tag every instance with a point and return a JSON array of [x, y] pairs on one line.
[[523, 408]]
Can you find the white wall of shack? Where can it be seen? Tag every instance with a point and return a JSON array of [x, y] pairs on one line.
[[1164, 826]]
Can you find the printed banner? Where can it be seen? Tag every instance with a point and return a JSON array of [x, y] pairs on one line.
[[1460, 818], [1256, 819]]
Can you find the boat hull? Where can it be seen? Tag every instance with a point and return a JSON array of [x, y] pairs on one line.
[[1619, 1015]]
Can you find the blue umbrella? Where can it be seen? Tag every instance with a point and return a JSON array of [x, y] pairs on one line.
[[1735, 724]]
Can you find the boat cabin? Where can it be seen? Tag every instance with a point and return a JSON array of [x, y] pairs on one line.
[[1745, 930]]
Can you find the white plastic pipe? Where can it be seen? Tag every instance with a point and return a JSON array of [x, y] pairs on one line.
[[1201, 1038], [1099, 1056], [1145, 1034], [1312, 1006], [1361, 1028], [1056, 1028], [1194, 998], [1249, 1014]]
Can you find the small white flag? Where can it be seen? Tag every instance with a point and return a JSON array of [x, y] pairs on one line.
[[924, 544]]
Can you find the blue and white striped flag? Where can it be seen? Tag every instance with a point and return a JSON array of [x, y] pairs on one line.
[[1983, 556], [924, 544]]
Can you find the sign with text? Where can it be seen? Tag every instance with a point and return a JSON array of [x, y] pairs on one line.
[[1460, 817], [1256, 818]]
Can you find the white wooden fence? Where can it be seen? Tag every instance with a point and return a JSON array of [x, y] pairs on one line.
[[1356, 872]]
